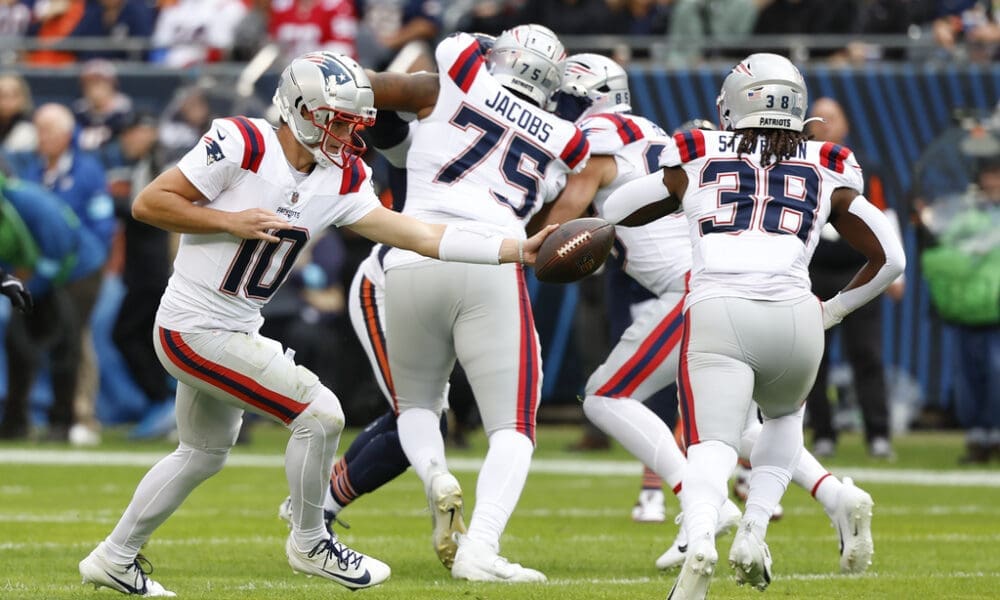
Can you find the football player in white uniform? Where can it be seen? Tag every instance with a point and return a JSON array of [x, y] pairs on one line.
[[625, 147], [248, 199], [483, 148], [755, 197]]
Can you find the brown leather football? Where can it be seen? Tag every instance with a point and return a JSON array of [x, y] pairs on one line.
[[574, 250]]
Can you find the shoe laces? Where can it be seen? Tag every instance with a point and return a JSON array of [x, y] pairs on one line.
[[143, 568], [346, 558], [331, 519]]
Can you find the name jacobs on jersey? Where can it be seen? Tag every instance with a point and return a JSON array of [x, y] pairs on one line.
[[520, 116]]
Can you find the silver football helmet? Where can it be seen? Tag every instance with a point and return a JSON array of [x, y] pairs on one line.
[[319, 89], [763, 91], [529, 60], [599, 79]]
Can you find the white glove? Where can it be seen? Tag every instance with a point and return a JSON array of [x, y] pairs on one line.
[[834, 311]]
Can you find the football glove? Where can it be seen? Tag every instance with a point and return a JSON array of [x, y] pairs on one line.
[[12, 287]]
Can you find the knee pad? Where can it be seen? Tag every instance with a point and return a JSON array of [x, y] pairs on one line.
[[202, 462], [323, 413], [595, 406]]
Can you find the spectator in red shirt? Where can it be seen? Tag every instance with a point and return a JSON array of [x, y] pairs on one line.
[[300, 26]]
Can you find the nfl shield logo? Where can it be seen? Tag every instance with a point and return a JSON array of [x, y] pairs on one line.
[[295, 197]]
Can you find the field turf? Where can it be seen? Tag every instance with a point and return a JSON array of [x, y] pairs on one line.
[[937, 527]]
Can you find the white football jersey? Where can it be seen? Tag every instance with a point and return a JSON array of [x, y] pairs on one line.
[[754, 227], [484, 155], [658, 253], [221, 281]]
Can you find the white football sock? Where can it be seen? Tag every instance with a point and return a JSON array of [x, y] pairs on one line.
[[499, 486], [164, 487], [707, 474], [641, 432], [420, 435], [776, 453], [815, 479], [309, 458]]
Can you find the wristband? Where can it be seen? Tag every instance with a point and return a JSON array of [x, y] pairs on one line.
[[459, 243]]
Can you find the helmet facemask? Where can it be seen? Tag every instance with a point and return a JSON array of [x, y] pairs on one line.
[[347, 142]]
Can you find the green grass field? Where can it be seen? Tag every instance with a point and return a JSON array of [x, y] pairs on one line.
[[937, 527]]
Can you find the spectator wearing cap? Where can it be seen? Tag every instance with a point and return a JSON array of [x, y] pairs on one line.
[[185, 119], [17, 132], [102, 110], [116, 20]]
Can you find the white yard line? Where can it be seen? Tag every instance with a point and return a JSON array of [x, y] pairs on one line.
[[554, 466]]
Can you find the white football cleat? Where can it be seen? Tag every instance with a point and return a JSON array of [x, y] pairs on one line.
[[852, 518], [475, 561], [335, 561], [696, 574], [649, 508], [131, 579], [729, 517], [750, 559], [445, 499]]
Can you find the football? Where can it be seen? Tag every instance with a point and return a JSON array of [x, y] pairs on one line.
[[574, 250]]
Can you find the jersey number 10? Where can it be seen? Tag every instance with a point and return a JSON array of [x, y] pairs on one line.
[[255, 257]]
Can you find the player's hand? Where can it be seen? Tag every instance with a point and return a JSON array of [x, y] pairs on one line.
[[532, 244], [256, 224], [20, 298]]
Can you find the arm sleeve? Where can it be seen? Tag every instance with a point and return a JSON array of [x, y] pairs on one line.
[[845, 302], [635, 195]]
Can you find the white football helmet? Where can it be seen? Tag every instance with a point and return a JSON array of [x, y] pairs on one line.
[[318, 89], [764, 91], [599, 79], [528, 59]]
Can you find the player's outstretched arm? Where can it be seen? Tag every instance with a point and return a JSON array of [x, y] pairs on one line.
[[410, 92], [867, 230], [447, 242], [578, 193], [646, 199], [168, 202]]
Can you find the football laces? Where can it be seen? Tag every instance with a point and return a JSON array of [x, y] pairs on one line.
[[573, 243]]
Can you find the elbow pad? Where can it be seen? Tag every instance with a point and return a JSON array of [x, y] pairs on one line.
[[634, 195]]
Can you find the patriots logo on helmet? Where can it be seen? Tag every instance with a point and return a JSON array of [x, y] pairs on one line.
[[212, 150], [329, 66], [744, 68]]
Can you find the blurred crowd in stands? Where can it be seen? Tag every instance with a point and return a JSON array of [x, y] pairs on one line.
[[182, 33], [71, 172]]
